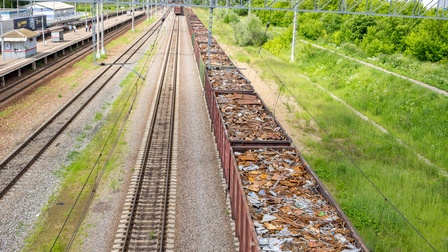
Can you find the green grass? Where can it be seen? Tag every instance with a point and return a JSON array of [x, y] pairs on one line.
[[412, 113], [435, 74], [409, 112]]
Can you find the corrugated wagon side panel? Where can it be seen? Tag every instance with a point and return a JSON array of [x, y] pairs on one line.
[[243, 220], [209, 96]]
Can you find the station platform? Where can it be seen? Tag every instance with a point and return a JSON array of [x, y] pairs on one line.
[[53, 49]]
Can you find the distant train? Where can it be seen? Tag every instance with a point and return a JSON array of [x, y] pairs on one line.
[[179, 10], [35, 23], [31, 23]]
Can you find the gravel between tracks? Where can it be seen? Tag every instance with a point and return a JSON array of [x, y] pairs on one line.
[[202, 220]]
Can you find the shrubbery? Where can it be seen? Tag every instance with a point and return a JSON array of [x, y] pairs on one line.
[[427, 40], [249, 31], [279, 42], [231, 17]]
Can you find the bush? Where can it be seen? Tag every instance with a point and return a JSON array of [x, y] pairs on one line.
[[428, 42], [231, 17], [249, 32], [279, 42]]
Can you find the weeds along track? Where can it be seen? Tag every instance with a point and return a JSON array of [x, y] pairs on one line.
[[143, 220], [14, 166], [37, 77]]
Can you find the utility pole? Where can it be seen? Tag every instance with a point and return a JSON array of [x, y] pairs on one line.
[[210, 25], [132, 10], [97, 31], [147, 10], [102, 29], [294, 34], [43, 31], [93, 33], [1, 34]]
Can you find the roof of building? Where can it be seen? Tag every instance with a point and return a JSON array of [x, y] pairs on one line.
[[19, 35], [54, 5]]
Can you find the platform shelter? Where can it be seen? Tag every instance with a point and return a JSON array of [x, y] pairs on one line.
[[20, 44]]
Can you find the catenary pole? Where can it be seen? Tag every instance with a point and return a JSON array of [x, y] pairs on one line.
[[293, 45], [97, 32], [102, 29]]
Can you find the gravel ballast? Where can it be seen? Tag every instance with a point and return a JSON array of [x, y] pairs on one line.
[[202, 218]]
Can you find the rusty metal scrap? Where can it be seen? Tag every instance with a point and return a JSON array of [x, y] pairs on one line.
[[203, 38], [228, 79], [288, 213], [246, 118], [199, 29], [203, 47], [195, 21], [217, 59]]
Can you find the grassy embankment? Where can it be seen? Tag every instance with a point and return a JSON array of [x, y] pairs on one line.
[[435, 74], [409, 112], [86, 161]]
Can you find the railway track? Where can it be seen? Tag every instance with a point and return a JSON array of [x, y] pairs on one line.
[[144, 216], [15, 165], [35, 78]]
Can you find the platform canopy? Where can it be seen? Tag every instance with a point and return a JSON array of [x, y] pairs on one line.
[[53, 5], [19, 35]]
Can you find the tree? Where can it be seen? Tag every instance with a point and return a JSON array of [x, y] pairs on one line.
[[429, 40], [387, 36], [310, 25], [355, 27]]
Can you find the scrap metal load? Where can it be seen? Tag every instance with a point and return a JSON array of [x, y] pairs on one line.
[[246, 118], [228, 79], [277, 201], [203, 47], [287, 210]]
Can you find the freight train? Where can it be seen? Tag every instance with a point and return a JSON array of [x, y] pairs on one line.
[[179, 10], [276, 198]]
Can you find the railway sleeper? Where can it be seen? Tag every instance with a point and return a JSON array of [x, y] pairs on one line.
[[153, 217], [145, 248], [141, 240], [144, 233]]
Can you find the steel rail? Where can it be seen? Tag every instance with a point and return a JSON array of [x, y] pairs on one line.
[[173, 106], [126, 55], [33, 78], [169, 64]]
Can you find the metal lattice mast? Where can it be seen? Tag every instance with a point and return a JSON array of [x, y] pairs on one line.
[[210, 25]]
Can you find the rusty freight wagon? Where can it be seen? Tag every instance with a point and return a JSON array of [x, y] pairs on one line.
[[224, 80], [241, 119], [279, 204]]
